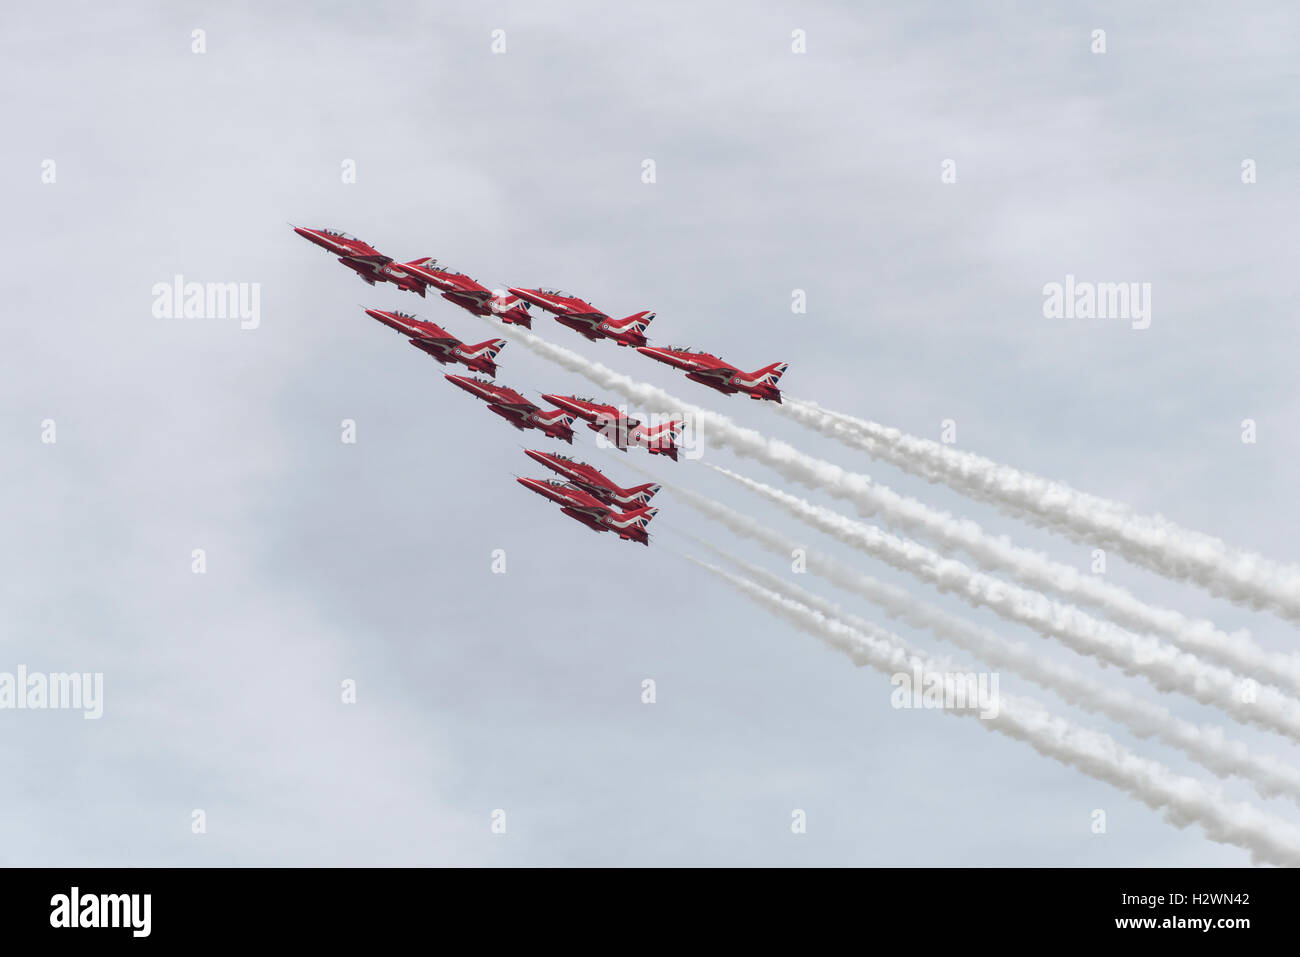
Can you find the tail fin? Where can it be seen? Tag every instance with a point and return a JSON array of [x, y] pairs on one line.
[[490, 348], [510, 309], [639, 321], [559, 421], [668, 430], [762, 384], [633, 326], [556, 416], [771, 375], [662, 439], [647, 513], [637, 495], [637, 516], [504, 302], [633, 526]]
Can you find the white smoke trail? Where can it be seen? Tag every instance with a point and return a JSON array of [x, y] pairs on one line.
[[1182, 800], [1031, 568], [1208, 745], [1166, 667], [1149, 540]]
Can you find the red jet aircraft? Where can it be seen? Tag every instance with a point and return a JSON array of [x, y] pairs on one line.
[[586, 319], [590, 479], [469, 294], [630, 526], [362, 258], [707, 369], [620, 429], [517, 410], [441, 344]]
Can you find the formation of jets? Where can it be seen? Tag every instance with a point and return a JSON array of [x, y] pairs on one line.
[[586, 494], [512, 306]]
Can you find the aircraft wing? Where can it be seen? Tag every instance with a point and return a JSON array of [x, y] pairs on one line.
[[604, 417], [716, 372], [432, 348], [590, 510], [583, 324], [446, 342], [521, 408], [469, 295]]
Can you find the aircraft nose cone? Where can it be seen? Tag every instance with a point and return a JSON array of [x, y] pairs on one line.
[[644, 350], [305, 234], [553, 399], [375, 314], [535, 456]]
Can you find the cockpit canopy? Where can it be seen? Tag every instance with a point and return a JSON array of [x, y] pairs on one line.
[[558, 292], [340, 234], [405, 315]]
